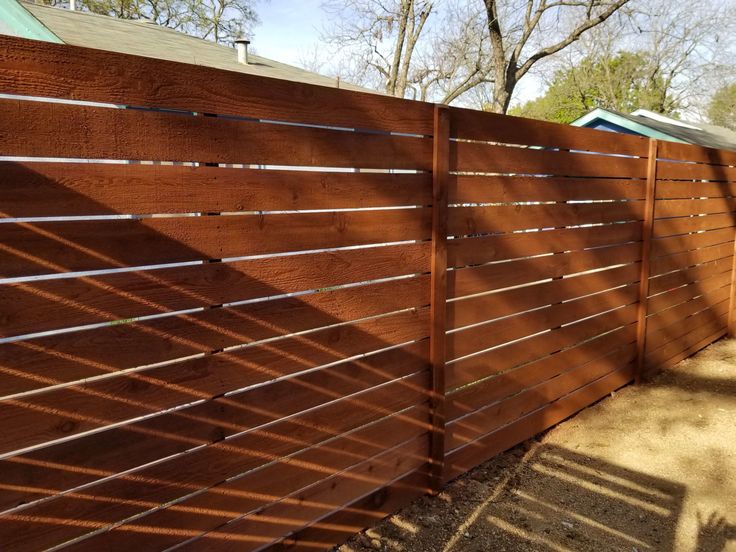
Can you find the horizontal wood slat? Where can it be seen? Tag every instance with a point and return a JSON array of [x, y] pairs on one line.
[[479, 250], [690, 350], [62, 71], [51, 247], [692, 153], [713, 324], [119, 498], [678, 261], [667, 189], [506, 218], [486, 447], [477, 338], [476, 279], [507, 189], [483, 365], [38, 418], [338, 527], [295, 478], [493, 416], [476, 157], [473, 310], [52, 304], [688, 207], [480, 395], [58, 359], [471, 125], [689, 306], [82, 189], [66, 465], [685, 293], [714, 310], [106, 133], [692, 171], [688, 275], [690, 242], [683, 225]]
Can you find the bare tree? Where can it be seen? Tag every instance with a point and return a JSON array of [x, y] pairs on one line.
[[513, 30], [382, 36], [218, 20]]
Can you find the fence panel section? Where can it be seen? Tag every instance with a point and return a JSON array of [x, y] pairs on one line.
[[240, 313], [692, 252], [545, 250], [215, 303]]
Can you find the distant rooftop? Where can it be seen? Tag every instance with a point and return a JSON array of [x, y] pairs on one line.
[[142, 38], [655, 125]]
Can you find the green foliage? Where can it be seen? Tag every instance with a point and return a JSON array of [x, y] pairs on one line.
[[722, 108], [625, 82]]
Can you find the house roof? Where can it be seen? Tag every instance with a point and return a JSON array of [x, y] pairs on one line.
[[142, 38], [654, 125]]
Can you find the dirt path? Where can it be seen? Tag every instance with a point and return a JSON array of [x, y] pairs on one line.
[[651, 468]]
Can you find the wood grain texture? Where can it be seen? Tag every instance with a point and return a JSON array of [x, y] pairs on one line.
[[52, 304], [259, 492], [690, 242], [473, 310], [507, 218], [84, 460], [669, 189], [84, 132], [487, 392], [154, 486], [467, 457], [495, 415], [61, 71], [438, 291], [689, 207], [477, 157], [474, 125], [477, 279], [34, 364], [501, 359], [478, 338], [486, 249], [52, 247], [697, 154], [82, 189], [507, 189]]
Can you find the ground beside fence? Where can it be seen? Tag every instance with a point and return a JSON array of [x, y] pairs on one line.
[[651, 468]]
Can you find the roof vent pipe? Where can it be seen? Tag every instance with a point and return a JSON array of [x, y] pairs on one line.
[[241, 45]]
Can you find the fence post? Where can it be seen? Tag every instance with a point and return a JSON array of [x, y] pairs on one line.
[[438, 293], [646, 248]]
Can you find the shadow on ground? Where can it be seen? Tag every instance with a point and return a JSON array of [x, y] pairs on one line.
[[645, 470]]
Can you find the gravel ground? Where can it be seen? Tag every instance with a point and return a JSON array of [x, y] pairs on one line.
[[651, 468]]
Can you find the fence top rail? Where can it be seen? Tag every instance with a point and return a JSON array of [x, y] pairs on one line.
[[35, 68]]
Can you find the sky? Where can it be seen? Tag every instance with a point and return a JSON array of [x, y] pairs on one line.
[[290, 30]]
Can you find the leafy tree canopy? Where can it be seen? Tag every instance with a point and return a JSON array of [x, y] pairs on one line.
[[624, 82], [722, 108]]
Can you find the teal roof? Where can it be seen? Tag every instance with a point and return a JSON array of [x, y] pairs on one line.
[[15, 20], [621, 120]]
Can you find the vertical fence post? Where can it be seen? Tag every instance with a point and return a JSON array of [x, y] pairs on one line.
[[438, 294], [646, 249]]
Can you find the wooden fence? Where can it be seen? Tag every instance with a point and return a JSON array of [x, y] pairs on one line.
[[241, 314]]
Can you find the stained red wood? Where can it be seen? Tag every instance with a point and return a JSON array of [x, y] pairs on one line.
[[36, 68], [478, 157], [646, 255], [474, 125], [84, 132], [51, 247], [438, 291], [80, 189]]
